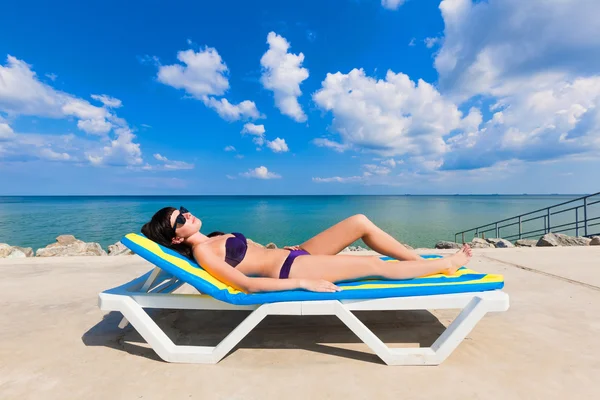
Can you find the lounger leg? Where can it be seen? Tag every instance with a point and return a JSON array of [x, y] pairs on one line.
[[170, 352], [144, 288], [434, 355], [458, 330]]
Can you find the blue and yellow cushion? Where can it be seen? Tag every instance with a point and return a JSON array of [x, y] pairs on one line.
[[465, 280]]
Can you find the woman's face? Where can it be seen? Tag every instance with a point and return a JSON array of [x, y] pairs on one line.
[[191, 226]]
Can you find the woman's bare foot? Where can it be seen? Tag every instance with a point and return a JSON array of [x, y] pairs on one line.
[[459, 259]]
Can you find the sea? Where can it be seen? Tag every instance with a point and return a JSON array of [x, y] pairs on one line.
[[417, 220]]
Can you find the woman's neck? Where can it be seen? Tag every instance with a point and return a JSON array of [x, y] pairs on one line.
[[196, 238]]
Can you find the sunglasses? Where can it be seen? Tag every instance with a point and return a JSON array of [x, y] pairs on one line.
[[180, 218]]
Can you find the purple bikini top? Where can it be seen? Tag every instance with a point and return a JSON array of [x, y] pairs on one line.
[[235, 249]]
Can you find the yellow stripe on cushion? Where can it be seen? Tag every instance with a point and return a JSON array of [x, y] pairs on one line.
[[180, 262], [486, 279]]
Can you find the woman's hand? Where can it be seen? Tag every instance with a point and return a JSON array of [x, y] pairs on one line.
[[319, 285], [292, 247]]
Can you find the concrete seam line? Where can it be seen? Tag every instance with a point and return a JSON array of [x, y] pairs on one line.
[[562, 278]]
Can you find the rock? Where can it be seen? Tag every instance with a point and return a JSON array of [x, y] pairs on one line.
[[67, 246], [559, 239], [253, 242], [8, 251], [353, 248], [500, 243], [119, 249], [595, 241], [447, 245], [28, 251], [65, 240], [479, 243], [526, 243], [271, 246]]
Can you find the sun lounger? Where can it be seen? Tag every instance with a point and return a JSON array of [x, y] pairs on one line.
[[474, 293]]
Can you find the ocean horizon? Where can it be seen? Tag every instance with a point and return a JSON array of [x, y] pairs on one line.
[[418, 220]]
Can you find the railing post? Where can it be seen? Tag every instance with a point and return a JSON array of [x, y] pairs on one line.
[[576, 221], [585, 231], [519, 227], [497, 235], [548, 218], [477, 232], [463, 238]]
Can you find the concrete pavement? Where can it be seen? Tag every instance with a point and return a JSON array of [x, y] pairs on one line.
[[55, 343]]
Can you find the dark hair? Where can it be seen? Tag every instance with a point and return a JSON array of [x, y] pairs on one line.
[[160, 230]]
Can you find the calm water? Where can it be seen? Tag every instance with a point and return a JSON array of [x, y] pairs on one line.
[[420, 221]]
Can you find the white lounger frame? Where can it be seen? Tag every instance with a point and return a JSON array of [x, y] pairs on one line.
[[153, 290]]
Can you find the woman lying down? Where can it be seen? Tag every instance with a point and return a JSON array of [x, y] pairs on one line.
[[314, 265]]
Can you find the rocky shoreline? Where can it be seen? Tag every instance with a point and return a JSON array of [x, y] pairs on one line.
[[68, 245], [548, 240]]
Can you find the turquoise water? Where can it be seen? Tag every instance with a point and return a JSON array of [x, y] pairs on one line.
[[420, 221]]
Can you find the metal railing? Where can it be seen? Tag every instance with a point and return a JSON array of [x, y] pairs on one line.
[[587, 226]]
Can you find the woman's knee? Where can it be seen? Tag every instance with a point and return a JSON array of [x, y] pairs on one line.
[[361, 221]]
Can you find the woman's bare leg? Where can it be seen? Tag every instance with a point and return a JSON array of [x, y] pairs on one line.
[[335, 268], [333, 240]]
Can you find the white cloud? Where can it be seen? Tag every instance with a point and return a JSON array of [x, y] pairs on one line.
[[260, 173], [108, 101], [392, 4], [203, 73], [233, 112], [27, 146], [253, 129], [391, 116], [22, 93], [94, 126], [278, 145], [229, 148], [413, 42], [390, 162], [230, 177], [543, 87], [551, 122], [50, 154], [122, 151], [258, 131], [377, 169], [493, 47], [172, 165], [431, 41], [322, 142], [6, 131], [339, 179], [282, 74], [51, 76]]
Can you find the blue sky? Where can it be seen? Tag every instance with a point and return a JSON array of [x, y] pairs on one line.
[[310, 97]]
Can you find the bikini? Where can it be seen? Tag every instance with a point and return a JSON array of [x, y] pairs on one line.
[[236, 247]]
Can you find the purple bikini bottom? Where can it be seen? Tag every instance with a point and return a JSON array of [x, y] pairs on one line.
[[287, 264]]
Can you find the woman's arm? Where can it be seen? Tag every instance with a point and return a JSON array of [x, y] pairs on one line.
[[273, 285], [234, 278]]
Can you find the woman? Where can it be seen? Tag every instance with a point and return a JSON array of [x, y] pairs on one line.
[[312, 266]]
